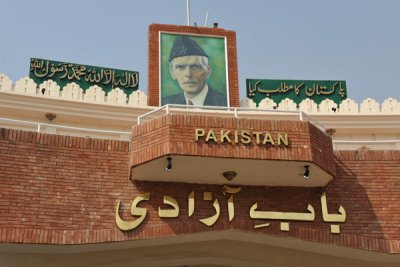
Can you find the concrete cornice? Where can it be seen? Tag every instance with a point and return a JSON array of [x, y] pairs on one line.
[[112, 116], [33, 108]]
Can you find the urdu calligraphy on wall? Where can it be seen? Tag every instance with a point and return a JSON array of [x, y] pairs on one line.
[[296, 90], [84, 75], [139, 214]]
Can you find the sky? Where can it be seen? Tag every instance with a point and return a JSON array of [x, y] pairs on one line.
[[353, 40]]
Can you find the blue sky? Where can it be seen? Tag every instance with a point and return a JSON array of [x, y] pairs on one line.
[[353, 40]]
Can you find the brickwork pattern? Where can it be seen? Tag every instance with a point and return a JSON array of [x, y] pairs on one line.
[[175, 134], [153, 58], [63, 190]]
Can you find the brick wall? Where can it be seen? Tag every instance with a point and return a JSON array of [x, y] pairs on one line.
[[63, 190], [153, 58], [175, 134]]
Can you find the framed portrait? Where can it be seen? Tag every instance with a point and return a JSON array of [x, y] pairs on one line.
[[193, 70]]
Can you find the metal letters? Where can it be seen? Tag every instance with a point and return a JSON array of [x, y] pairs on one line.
[[254, 212]]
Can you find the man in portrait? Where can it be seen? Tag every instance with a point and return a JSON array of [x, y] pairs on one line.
[[189, 67]]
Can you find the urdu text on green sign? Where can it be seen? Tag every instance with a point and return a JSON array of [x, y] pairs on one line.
[[296, 90], [84, 75]]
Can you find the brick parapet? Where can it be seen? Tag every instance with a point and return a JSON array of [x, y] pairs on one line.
[[18, 136], [321, 149], [61, 190], [175, 134]]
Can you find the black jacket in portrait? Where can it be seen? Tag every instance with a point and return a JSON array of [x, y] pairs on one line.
[[213, 98]]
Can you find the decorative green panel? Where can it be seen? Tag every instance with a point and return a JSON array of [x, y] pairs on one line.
[[84, 75], [297, 90]]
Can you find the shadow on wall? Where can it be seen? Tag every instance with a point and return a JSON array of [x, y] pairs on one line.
[[356, 188]]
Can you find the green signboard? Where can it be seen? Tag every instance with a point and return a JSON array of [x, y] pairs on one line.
[[296, 90], [84, 75]]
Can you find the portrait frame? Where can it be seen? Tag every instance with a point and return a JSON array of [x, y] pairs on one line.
[[217, 50], [153, 77]]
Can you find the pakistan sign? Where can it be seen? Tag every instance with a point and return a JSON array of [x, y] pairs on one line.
[[84, 75], [296, 90]]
